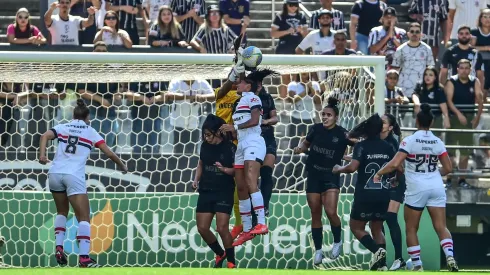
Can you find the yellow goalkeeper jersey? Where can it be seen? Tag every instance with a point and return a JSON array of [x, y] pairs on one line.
[[224, 105]]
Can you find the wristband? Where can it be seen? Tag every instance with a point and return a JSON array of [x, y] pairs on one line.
[[236, 127]]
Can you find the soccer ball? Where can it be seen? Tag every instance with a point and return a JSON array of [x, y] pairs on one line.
[[252, 57]]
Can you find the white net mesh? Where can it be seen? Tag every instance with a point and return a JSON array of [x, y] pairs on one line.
[[150, 114]]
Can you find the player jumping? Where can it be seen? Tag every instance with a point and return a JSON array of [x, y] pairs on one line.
[[215, 183], [326, 143], [425, 188], [67, 178], [371, 198]]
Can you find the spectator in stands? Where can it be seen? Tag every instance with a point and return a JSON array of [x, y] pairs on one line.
[[79, 8], [393, 93], [365, 15], [151, 13], [430, 91], [481, 41], [100, 14], [11, 95], [22, 32], [100, 98], [147, 121], [214, 36], [463, 89], [461, 50], [411, 59], [187, 113], [462, 13], [64, 27], [111, 34], [236, 14], [166, 31], [340, 42], [338, 22], [190, 14], [305, 97], [100, 47], [319, 40], [432, 15], [384, 39], [127, 9]]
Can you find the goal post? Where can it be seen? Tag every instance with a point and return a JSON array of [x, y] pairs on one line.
[[147, 218]]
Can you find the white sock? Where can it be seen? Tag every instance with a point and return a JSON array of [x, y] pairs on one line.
[[246, 214], [59, 229], [447, 246], [414, 253], [258, 203], [83, 237]]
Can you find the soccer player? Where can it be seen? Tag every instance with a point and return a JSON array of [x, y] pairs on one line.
[[215, 183], [67, 178], [249, 157], [397, 194], [371, 198], [326, 143], [421, 152]]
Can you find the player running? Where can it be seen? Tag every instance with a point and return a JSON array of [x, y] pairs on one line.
[[421, 152], [397, 193], [326, 143], [67, 178], [249, 157], [371, 198], [215, 183]]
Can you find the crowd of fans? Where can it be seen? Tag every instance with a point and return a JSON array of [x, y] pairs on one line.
[[168, 115]]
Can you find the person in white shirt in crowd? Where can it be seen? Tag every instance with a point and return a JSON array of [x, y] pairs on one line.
[[462, 12], [411, 59], [64, 27], [319, 40], [111, 34], [384, 39], [187, 112], [305, 96], [150, 13]]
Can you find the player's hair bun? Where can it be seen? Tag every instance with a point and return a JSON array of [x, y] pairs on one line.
[[332, 101], [81, 103], [425, 108]]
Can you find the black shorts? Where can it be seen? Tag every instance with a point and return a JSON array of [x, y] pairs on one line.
[[270, 146], [398, 193], [320, 186], [215, 202], [369, 211]]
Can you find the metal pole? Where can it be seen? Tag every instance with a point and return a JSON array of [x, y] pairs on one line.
[[273, 42]]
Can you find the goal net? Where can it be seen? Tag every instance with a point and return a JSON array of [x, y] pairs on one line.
[[146, 108]]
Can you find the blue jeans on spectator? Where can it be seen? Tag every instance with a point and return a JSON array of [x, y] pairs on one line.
[[107, 127], [362, 43]]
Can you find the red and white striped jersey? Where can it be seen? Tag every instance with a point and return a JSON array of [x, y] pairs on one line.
[[423, 151], [242, 114], [76, 140]]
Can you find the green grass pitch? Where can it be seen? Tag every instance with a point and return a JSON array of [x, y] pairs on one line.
[[184, 271]]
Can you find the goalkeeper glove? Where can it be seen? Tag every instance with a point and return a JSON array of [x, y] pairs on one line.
[[236, 71]]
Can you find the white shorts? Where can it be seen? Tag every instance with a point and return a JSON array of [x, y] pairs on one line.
[[431, 198], [250, 149], [72, 185]]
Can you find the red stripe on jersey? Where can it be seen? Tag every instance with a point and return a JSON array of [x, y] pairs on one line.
[[98, 143], [411, 156], [443, 155], [85, 140], [62, 136], [243, 108]]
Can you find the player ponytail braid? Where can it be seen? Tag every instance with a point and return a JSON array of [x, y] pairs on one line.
[[81, 112], [393, 123], [332, 103], [369, 128], [256, 77], [425, 116]]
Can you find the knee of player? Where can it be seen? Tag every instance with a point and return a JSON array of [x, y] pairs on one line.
[[331, 212], [222, 229], [202, 229]]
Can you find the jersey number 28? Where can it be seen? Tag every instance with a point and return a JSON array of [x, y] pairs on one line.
[[422, 159]]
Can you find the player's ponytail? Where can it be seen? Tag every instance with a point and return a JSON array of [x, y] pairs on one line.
[[213, 123], [369, 128], [396, 128], [425, 116], [332, 104], [81, 111]]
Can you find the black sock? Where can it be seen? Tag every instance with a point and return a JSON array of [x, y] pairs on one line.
[[336, 231], [369, 243], [230, 255], [395, 232], [266, 184], [382, 245], [217, 249], [317, 235]]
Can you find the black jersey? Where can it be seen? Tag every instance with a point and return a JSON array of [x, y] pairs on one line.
[[267, 107], [392, 141], [372, 154], [327, 148], [212, 178]]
